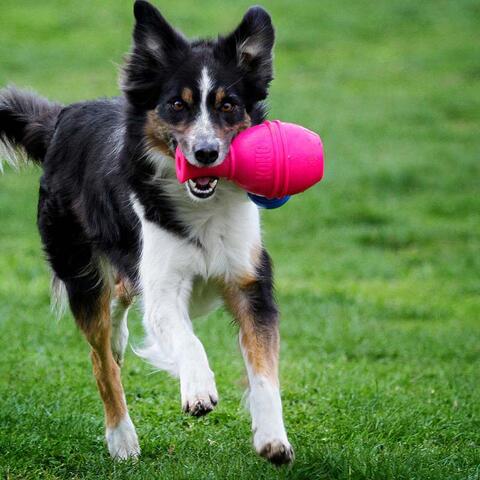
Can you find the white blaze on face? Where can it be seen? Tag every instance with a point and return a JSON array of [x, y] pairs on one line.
[[203, 124], [205, 137], [202, 133]]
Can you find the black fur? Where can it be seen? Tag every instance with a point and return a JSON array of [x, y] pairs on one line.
[[105, 160], [152, 76], [93, 153], [27, 121], [261, 297]]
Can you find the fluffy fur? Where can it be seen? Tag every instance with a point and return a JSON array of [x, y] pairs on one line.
[[115, 222]]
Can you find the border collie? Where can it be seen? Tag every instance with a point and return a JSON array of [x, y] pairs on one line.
[[115, 223]]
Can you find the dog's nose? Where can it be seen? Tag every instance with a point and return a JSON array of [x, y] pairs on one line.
[[206, 153]]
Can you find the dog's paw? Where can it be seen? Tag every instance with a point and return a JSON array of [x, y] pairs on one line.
[[199, 397], [122, 440], [199, 406], [279, 452]]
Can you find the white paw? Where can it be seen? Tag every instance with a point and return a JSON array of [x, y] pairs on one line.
[[122, 440], [269, 436], [199, 393], [278, 451]]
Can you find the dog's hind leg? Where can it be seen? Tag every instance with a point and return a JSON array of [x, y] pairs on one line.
[[89, 293], [252, 303], [91, 308], [120, 432]]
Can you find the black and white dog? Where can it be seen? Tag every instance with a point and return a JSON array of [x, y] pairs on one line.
[[115, 222]]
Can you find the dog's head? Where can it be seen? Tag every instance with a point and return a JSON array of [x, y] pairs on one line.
[[198, 94]]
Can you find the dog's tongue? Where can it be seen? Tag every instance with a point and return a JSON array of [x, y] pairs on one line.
[[203, 181]]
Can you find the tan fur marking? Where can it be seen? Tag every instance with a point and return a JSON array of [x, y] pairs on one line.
[[157, 134], [227, 131], [260, 343], [220, 94], [107, 375], [247, 123], [187, 96], [105, 368], [260, 346], [124, 292], [246, 280]]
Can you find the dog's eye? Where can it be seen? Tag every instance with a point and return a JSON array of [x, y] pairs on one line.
[[178, 105], [227, 107]]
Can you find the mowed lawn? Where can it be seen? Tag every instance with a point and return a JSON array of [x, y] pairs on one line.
[[377, 268]]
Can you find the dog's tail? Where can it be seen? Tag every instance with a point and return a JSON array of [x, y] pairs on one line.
[[27, 123]]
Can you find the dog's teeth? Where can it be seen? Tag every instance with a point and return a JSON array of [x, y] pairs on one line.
[[202, 192]]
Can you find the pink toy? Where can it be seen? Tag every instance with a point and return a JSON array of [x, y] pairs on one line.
[[273, 159]]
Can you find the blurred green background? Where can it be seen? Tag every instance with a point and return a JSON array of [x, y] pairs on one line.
[[377, 267]]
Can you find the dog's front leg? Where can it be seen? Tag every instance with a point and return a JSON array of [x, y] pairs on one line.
[[166, 275], [252, 303]]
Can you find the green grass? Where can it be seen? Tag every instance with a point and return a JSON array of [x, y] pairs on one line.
[[377, 268]]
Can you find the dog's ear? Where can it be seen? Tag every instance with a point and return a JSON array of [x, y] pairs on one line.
[[250, 45], [153, 36], [156, 47]]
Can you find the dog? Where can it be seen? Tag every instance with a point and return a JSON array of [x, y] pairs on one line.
[[116, 224]]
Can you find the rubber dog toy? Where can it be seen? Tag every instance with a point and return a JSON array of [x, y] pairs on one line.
[[272, 160]]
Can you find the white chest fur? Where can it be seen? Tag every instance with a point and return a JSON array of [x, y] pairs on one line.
[[223, 233]]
